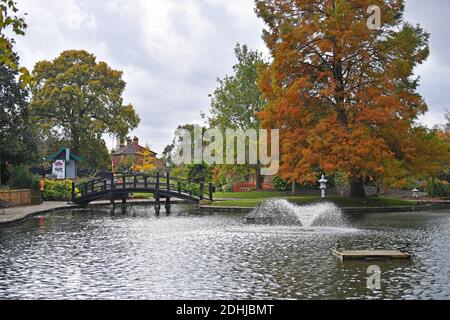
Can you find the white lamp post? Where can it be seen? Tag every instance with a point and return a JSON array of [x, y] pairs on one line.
[[323, 186], [168, 165]]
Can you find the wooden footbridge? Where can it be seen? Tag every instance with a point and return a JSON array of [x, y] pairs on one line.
[[163, 187]]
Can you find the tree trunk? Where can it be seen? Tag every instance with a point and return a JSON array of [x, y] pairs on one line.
[[76, 142], [293, 188], [76, 147], [258, 178], [432, 187], [3, 171], [357, 188]]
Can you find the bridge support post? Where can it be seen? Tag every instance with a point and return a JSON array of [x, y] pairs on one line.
[[202, 190], [190, 188], [168, 181], [85, 190], [211, 192], [157, 197], [157, 203], [168, 206], [113, 206], [73, 190]]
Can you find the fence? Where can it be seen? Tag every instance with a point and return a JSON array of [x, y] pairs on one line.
[[19, 197], [246, 187]]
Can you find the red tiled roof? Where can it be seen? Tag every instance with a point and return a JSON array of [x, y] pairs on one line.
[[131, 150]]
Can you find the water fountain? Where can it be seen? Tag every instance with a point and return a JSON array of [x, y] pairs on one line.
[[282, 212]]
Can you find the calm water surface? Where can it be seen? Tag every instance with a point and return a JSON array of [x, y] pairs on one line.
[[188, 255]]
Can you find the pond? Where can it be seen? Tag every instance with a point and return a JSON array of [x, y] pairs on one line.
[[94, 254]]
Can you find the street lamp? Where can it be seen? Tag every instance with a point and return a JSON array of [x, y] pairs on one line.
[[323, 186]]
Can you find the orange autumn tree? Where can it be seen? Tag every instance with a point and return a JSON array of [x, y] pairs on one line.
[[148, 162], [343, 95]]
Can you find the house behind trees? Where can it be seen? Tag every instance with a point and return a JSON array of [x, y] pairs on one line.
[[130, 155]]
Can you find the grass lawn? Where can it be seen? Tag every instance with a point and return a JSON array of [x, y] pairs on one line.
[[252, 199], [251, 195], [147, 196]]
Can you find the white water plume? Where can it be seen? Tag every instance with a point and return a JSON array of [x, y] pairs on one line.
[[324, 214]]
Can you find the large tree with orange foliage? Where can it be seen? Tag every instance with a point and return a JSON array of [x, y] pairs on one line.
[[344, 96]]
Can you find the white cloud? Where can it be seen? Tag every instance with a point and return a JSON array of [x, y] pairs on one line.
[[73, 16], [175, 32], [434, 82], [172, 51]]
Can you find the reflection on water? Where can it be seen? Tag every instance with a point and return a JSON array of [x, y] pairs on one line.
[[188, 255]]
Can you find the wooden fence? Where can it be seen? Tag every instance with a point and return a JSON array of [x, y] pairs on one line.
[[20, 197]]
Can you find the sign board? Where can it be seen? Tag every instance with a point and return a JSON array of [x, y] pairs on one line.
[[59, 169]]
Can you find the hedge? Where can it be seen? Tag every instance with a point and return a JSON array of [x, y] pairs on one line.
[[57, 190]]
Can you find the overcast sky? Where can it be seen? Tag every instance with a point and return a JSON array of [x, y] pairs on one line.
[[172, 51]]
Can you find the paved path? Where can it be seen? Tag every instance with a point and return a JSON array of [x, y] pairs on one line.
[[20, 213]]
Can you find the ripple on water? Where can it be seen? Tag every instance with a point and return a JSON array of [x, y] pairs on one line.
[[86, 255]]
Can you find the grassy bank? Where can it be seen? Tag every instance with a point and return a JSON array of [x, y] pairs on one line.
[[252, 199], [143, 196]]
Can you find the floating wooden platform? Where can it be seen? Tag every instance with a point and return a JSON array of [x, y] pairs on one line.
[[371, 255]]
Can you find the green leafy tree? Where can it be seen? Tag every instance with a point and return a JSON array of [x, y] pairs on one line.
[[199, 172], [49, 143], [127, 165], [433, 155], [169, 150], [22, 178], [167, 154], [79, 99], [98, 160], [227, 175], [12, 23], [17, 136], [194, 172], [447, 125], [237, 100]]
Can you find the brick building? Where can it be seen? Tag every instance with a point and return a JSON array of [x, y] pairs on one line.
[[131, 153]]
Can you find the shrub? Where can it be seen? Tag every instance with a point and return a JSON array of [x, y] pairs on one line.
[[281, 185], [227, 188], [194, 188], [341, 183], [441, 189], [21, 178], [57, 190]]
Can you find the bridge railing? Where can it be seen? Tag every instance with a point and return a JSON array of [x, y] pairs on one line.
[[144, 182]]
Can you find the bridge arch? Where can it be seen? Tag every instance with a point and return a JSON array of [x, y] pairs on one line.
[[162, 186]]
